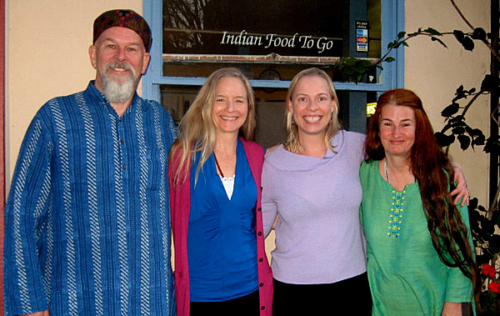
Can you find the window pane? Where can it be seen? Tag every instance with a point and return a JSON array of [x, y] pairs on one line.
[[283, 35], [252, 71], [270, 109]]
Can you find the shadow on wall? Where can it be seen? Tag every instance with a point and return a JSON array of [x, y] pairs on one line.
[[270, 123]]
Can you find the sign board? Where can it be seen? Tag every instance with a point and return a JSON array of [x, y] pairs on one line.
[[362, 36]]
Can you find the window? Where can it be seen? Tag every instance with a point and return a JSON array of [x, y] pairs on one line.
[[270, 41]]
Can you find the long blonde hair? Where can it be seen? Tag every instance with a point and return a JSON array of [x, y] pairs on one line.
[[197, 129], [293, 142]]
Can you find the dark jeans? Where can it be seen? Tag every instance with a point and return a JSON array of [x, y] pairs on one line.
[[347, 297], [247, 305]]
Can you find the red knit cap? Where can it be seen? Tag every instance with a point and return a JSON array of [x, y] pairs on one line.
[[123, 18]]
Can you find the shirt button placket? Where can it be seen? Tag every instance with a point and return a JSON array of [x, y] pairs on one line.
[[122, 146]]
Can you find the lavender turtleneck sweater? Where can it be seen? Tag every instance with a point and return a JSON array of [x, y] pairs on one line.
[[318, 235]]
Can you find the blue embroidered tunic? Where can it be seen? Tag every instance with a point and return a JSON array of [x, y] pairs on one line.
[[222, 246], [87, 227]]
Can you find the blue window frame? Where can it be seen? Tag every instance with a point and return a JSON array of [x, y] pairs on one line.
[[392, 22]]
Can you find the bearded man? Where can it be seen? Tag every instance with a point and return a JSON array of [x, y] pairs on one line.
[[87, 222]]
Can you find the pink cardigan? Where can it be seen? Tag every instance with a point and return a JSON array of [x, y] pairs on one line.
[[180, 207]]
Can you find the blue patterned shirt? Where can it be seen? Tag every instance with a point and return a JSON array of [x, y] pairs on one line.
[[87, 227]]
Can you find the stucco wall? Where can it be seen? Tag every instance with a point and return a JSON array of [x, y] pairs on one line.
[[435, 72], [47, 56]]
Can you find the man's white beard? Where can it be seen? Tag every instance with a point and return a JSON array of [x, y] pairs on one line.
[[116, 90]]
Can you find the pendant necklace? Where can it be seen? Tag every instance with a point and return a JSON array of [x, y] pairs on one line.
[[220, 170], [387, 173]]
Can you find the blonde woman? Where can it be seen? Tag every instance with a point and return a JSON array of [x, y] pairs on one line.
[[312, 184], [215, 195]]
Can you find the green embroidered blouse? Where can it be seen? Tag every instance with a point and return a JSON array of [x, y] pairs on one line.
[[405, 273]]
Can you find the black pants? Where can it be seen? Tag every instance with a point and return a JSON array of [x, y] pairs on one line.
[[347, 297], [247, 305]]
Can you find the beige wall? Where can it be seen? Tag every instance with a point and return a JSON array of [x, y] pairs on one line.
[[435, 72], [48, 40], [47, 56]]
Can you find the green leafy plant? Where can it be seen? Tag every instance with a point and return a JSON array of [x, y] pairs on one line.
[[489, 297], [483, 222]]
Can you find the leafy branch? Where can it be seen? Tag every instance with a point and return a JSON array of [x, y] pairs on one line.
[[479, 35], [356, 68], [456, 126]]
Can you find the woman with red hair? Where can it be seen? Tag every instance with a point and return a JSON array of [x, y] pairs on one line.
[[419, 249]]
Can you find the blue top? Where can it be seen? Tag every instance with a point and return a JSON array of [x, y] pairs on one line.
[[87, 224], [222, 246]]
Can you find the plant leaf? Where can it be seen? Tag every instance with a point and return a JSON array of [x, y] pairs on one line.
[[357, 78], [460, 93], [457, 119], [439, 41], [467, 43], [475, 132], [472, 204], [433, 31], [348, 71], [444, 140], [491, 145], [479, 34], [459, 35], [450, 110], [464, 141], [487, 84], [478, 141], [458, 130]]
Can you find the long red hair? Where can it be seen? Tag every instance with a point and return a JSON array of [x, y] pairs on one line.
[[433, 170]]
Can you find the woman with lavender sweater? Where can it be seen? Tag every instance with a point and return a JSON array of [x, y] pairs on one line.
[[312, 183]]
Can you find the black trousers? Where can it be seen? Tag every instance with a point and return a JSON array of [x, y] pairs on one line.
[[247, 305], [347, 297]]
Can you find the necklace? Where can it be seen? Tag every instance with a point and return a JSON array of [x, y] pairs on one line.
[[385, 169], [387, 173], [220, 170]]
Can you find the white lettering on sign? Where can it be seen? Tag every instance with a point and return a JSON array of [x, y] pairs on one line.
[[308, 41], [322, 44], [276, 41], [241, 39]]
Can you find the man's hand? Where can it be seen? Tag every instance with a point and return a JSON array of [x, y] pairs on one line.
[[461, 191]]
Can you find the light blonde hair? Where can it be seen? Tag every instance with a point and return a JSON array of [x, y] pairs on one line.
[[293, 142], [197, 129]]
